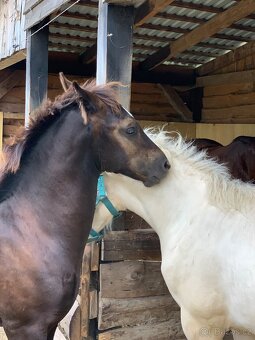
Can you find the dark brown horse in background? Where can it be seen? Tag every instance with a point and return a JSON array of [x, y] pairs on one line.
[[48, 192], [238, 156]]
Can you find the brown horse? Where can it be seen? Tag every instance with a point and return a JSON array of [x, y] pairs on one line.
[[48, 192], [238, 156]]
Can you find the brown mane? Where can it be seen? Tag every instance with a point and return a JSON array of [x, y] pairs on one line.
[[44, 115]]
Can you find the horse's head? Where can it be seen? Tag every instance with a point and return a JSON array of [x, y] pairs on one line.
[[119, 142]]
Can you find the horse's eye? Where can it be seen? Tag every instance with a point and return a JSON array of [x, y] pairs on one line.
[[131, 130]]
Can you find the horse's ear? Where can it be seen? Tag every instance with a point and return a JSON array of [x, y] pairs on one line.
[[64, 81], [87, 101]]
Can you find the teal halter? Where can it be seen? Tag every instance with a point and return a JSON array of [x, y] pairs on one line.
[[102, 197]]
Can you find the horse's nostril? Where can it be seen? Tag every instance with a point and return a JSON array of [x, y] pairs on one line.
[[166, 165]]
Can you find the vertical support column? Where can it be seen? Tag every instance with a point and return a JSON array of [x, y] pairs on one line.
[[36, 69], [115, 47]]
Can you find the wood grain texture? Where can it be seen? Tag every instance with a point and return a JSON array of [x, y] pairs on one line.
[[168, 330], [203, 31], [131, 245], [136, 311], [149, 9], [85, 297], [227, 59], [231, 100], [227, 78], [222, 90], [131, 279]]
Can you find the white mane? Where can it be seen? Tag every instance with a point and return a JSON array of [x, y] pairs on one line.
[[223, 191]]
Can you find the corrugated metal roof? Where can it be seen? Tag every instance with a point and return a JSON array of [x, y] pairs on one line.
[[80, 24]]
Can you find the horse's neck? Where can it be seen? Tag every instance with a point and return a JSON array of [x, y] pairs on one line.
[[177, 197], [57, 185]]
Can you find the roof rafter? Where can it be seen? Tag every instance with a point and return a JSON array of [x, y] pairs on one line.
[[206, 30], [149, 9]]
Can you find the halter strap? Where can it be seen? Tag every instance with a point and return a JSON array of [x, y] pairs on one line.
[[102, 197]]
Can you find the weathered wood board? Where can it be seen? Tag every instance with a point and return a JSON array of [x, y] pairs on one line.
[[131, 279], [131, 245], [136, 311], [168, 330]]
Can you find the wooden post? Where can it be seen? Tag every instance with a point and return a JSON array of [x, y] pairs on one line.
[[36, 69], [115, 47], [85, 298], [114, 53]]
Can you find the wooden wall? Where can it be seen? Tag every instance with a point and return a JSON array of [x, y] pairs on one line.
[[148, 100], [13, 36], [229, 93], [134, 302]]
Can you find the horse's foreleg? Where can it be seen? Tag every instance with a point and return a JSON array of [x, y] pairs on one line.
[[194, 330]]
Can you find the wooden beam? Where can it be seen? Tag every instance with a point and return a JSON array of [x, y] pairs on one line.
[[30, 4], [123, 2], [41, 10], [176, 102], [149, 9], [134, 311], [227, 78], [9, 82], [217, 23], [15, 58], [36, 69], [227, 59], [115, 41], [135, 279]]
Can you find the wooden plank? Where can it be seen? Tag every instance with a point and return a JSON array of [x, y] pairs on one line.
[[41, 11], [168, 330], [131, 245], [11, 107], [85, 296], [230, 100], [30, 4], [95, 251], [114, 60], [10, 130], [149, 9], [206, 30], [9, 82], [124, 2], [222, 90], [235, 114], [10, 115], [131, 279], [227, 59], [176, 102], [13, 59], [136, 311], [93, 304], [89, 55], [152, 109], [36, 69], [227, 78]]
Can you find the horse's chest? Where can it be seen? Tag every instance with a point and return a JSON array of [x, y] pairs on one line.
[[191, 277]]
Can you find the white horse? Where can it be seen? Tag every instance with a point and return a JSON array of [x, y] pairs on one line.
[[206, 225]]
